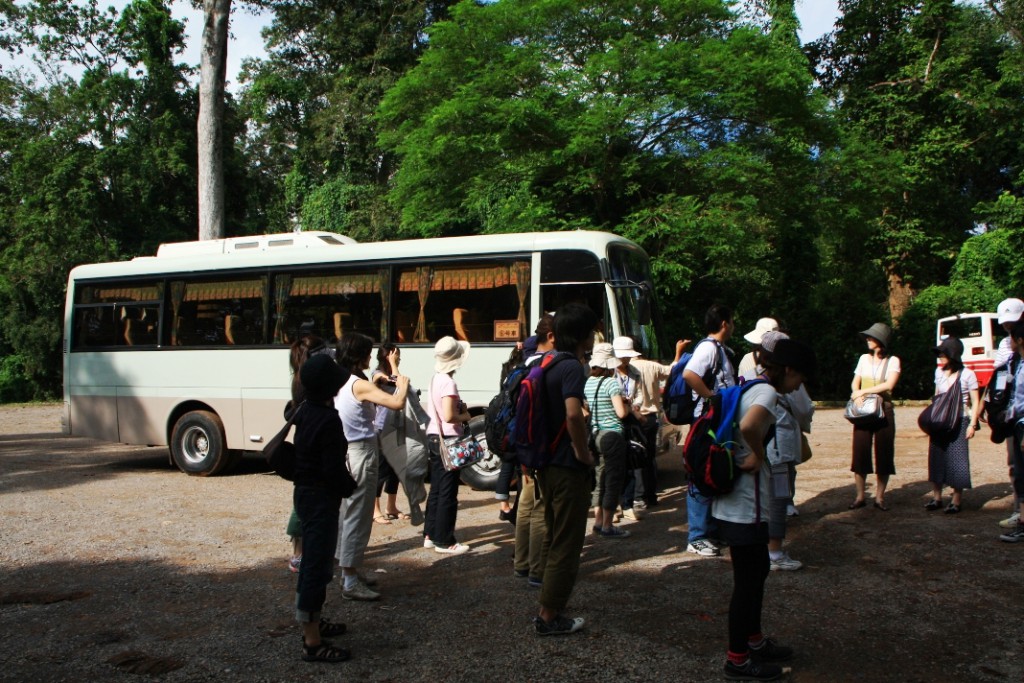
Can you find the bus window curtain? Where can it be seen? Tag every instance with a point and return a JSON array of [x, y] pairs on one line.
[[177, 296], [282, 285], [384, 281], [521, 269], [423, 277]]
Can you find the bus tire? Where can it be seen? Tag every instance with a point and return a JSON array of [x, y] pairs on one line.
[[482, 476], [197, 444]]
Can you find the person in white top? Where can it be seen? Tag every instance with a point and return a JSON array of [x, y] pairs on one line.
[[357, 405], [708, 370], [877, 372], [742, 514], [748, 363], [1009, 313], [949, 459]]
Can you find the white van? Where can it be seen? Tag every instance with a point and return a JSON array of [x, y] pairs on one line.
[[980, 333]]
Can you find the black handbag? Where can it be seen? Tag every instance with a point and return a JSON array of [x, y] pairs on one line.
[[279, 453], [943, 415]]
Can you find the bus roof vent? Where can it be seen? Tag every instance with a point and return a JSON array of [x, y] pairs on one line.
[[291, 240]]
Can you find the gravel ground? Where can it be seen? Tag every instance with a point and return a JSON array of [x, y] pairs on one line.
[[116, 567]]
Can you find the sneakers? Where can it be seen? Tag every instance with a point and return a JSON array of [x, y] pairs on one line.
[[1013, 536], [520, 573], [613, 532], [791, 511], [703, 547], [456, 549], [786, 563], [370, 581], [360, 592], [640, 506], [752, 670], [427, 543], [770, 651], [294, 563], [559, 626], [633, 514], [1011, 522], [534, 582]]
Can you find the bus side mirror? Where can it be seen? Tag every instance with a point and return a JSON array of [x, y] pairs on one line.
[[643, 305]]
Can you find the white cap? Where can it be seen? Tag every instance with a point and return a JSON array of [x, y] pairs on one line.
[[763, 325], [623, 347], [1010, 310]]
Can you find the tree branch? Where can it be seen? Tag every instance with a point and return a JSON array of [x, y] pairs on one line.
[[1014, 31]]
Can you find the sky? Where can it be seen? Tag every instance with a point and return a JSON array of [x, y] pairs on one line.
[[816, 18]]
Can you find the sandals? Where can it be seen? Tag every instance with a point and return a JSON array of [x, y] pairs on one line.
[[324, 653], [881, 506], [952, 509], [330, 630], [933, 504], [857, 504], [397, 515], [382, 519]]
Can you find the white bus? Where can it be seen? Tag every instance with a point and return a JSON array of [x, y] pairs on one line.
[[980, 333], [189, 349]]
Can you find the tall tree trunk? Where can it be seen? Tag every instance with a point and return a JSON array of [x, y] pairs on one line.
[[901, 293], [212, 75]]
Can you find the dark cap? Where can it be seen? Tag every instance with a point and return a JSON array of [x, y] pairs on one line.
[[530, 346], [322, 378], [794, 354], [951, 347]]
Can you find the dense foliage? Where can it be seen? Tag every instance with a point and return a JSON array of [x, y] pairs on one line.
[[874, 175]]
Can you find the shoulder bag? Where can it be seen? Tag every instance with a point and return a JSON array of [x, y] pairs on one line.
[[279, 453], [942, 416], [868, 409], [458, 451]]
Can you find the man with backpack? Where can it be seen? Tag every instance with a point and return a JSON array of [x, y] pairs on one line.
[[561, 457], [708, 370]]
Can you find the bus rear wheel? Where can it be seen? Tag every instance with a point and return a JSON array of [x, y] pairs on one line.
[[197, 444], [482, 476]]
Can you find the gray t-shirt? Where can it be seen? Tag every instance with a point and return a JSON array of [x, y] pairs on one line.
[[747, 503]]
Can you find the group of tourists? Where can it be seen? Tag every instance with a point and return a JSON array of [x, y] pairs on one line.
[[603, 399]]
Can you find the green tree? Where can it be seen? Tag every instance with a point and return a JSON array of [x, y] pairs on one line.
[[927, 92], [311, 103], [671, 122], [95, 168]]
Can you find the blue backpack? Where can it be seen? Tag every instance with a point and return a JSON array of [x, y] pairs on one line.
[[709, 447], [678, 401], [530, 433]]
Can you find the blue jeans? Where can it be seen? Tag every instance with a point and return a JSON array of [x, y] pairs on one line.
[[318, 511], [698, 514], [504, 484]]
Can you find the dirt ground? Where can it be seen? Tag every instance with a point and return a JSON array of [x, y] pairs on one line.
[[115, 566]]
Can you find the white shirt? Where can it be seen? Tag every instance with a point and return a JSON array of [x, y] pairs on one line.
[[968, 382], [705, 357]]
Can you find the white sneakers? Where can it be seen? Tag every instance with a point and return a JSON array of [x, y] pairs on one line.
[[791, 511], [786, 563], [703, 547], [1011, 521], [457, 549]]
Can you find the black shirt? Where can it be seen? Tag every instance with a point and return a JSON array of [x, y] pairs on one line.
[[320, 448]]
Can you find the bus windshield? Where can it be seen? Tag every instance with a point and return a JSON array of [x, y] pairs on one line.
[[630, 279]]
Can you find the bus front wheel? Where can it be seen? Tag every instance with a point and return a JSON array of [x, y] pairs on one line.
[[197, 444]]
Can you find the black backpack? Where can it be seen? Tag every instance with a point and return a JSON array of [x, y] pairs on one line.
[[500, 416], [997, 400]]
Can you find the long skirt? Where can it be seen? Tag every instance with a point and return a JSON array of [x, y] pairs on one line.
[[949, 462]]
